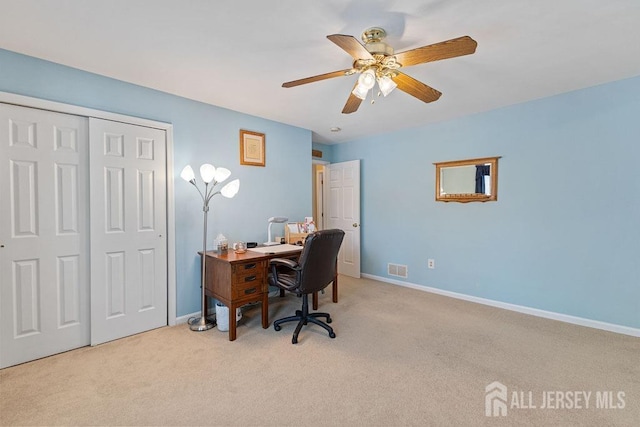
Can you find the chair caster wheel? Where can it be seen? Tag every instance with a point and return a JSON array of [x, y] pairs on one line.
[[277, 327], [332, 335], [329, 320]]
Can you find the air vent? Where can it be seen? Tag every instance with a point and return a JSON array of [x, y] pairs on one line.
[[397, 270]]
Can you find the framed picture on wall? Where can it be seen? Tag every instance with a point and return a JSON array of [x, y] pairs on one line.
[[252, 148]]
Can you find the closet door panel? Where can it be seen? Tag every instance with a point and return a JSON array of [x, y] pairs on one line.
[[44, 246], [128, 229]]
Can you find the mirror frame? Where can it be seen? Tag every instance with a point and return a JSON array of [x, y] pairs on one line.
[[469, 197]]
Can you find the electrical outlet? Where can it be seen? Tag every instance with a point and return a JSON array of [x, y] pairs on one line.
[[431, 264]]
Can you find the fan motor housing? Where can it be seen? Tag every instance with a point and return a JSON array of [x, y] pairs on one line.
[[372, 38], [379, 48]]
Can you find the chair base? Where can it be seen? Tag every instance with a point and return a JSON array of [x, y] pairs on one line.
[[304, 317]]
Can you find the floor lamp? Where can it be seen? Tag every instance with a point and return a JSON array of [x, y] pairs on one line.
[[211, 178]]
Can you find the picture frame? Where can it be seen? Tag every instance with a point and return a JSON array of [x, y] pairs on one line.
[[252, 148]]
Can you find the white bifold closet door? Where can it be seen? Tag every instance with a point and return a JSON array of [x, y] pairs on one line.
[[83, 256], [128, 229], [44, 214]]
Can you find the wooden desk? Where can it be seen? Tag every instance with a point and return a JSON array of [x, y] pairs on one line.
[[239, 279]]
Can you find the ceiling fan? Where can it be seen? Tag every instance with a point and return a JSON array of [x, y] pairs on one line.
[[376, 61]]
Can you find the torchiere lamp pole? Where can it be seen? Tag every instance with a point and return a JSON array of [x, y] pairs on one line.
[[213, 176]]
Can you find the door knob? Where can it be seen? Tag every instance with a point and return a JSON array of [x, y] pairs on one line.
[[355, 224]]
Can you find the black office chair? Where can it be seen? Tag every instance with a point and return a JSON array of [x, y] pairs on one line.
[[314, 271]]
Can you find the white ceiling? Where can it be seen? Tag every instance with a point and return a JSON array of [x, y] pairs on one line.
[[236, 54]]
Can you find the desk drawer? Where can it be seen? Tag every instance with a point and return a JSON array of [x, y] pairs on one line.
[[249, 279], [249, 285], [248, 268]]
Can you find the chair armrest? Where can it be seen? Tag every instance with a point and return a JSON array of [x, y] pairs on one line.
[[284, 262], [283, 279]]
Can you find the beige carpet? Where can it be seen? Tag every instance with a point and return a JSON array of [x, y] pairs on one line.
[[401, 357]]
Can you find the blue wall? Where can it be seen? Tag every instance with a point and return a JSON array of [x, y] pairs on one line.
[[564, 235], [202, 134]]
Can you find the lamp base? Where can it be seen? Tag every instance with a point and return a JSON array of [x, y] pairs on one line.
[[271, 243], [201, 324]]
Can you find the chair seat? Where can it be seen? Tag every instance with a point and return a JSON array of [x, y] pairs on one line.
[[287, 279]]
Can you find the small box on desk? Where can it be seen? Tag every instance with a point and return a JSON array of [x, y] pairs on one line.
[[294, 233]]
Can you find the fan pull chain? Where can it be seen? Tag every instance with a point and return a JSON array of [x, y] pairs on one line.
[[373, 99]]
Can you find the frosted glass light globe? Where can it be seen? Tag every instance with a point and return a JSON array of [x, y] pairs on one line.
[[231, 189], [207, 172]]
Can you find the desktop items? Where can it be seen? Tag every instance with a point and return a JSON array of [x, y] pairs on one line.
[[221, 244], [213, 176], [239, 247], [295, 233], [274, 220]]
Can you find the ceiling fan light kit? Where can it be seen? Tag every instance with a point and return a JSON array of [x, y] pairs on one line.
[[360, 91], [386, 85], [375, 61]]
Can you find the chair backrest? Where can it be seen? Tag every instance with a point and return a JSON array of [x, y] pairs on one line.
[[318, 260]]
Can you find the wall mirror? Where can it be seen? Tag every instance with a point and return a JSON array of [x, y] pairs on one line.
[[473, 180]]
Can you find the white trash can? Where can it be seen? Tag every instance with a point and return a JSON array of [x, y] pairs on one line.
[[222, 316]]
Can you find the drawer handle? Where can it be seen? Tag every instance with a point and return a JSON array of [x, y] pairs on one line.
[[250, 291], [250, 278], [249, 266]]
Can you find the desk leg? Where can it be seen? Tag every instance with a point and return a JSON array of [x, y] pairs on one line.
[[232, 323], [334, 292], [265, 310]]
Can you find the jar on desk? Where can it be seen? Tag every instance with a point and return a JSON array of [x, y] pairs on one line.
[[221, 244]]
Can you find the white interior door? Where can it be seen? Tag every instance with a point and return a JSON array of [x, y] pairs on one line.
[[128, 229], [44, 241], [318, 216], [344, 212]]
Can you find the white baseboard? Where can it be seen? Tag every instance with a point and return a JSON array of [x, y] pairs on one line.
[[611, 327]]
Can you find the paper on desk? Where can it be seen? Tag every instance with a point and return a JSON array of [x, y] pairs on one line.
[[276, 249]]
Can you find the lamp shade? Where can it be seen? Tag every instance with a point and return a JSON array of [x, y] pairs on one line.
[[231, 189], [367, 79], [187, 173], [222, 174], [386, 85], [360, 91], [207, 172]]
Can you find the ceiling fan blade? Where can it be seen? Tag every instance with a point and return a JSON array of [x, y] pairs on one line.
[[464, 45], [316, 78], [351, 45], [352, 103], [416, 88]]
